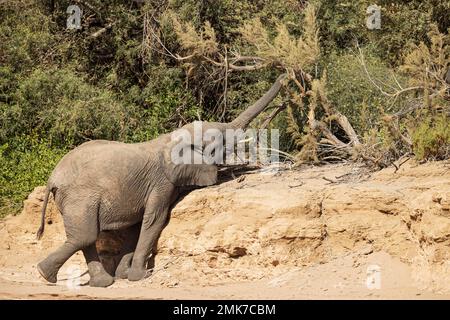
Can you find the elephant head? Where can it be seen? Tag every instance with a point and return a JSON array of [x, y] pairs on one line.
[[183, 144]]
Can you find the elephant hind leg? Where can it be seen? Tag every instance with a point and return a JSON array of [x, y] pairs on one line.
[[98, 274], [49, 267], [81, 227]]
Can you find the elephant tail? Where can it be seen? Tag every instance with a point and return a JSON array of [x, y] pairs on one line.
[[40, 232]]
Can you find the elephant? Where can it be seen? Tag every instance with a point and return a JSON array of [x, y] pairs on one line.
[[107, 185]]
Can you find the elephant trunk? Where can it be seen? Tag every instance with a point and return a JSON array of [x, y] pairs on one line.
[[244, 119]]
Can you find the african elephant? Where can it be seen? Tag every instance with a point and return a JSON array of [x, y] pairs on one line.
[[106, 185]]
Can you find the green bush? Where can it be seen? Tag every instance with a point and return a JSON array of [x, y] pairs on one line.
[[161, 105], [354, 95], [25, 162], [402, 23], [431, 138], [62, 106], [25, 34]]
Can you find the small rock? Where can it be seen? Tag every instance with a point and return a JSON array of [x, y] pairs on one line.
[[238, 252], [436, 198], [367, 250]]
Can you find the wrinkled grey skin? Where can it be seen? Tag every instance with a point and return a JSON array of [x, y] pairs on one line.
[[106, 185]]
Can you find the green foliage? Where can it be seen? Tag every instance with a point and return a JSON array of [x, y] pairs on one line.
[[402, 23], [431, 138], [24, 37], [25, 163], [60, 105], [165, 103], [353, 94]]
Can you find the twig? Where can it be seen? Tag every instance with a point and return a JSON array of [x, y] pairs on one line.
[[397, 167], [343, 175], [287, 155], [296, 185], [101, 31], [153, 270], [274, 113], [225, 90], [329, 180], [91, 7], [333, 158], [393, 95]]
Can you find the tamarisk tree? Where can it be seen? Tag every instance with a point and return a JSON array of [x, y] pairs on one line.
[[318, 129]]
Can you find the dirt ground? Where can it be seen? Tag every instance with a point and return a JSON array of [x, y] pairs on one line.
[[330, 232]]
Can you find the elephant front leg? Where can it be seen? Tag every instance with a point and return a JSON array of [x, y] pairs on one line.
[[155, 219], [146, 244], [125, 263]]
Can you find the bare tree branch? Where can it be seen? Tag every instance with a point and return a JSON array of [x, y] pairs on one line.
[[389, 94], [101, 31], [272, 115]]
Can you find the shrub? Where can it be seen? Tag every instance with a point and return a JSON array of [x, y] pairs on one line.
[[161, 105], [62, 106], [25, 162], [402, 23], [431, 138], [350, 90]]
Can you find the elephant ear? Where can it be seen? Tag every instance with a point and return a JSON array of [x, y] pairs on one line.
[[187, 173]]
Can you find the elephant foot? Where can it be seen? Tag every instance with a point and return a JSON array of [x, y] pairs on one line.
[[124, 266], [47, 270], [122, 272], [135, 274], [102, 280]]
